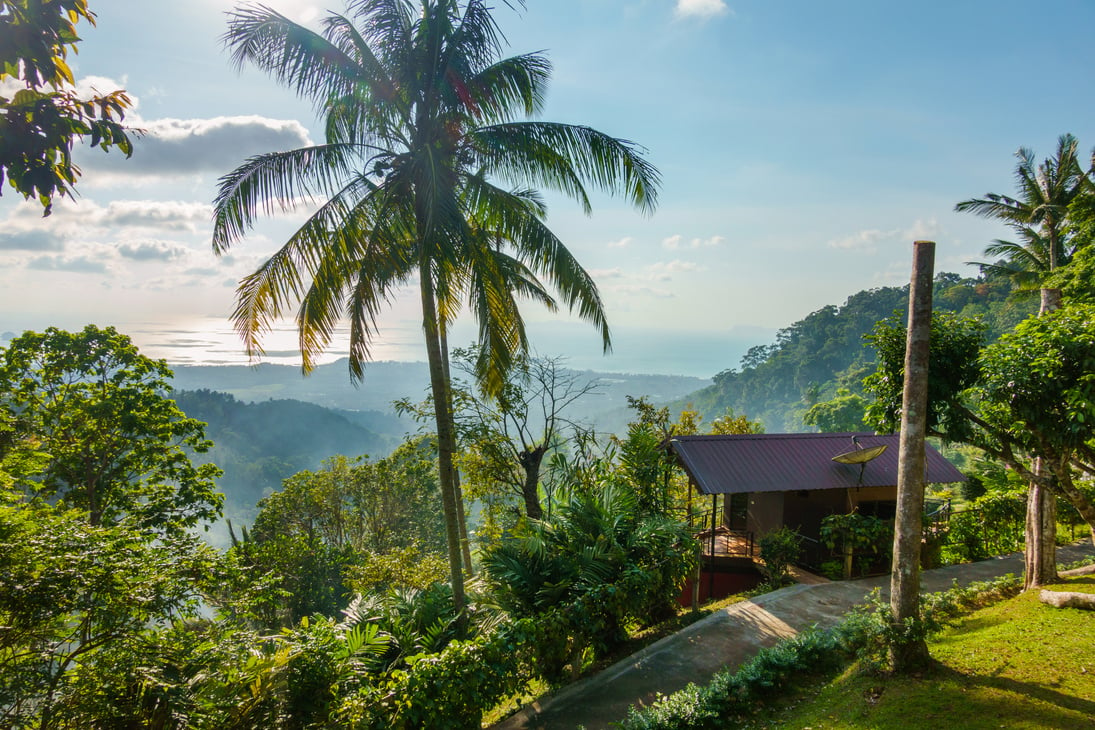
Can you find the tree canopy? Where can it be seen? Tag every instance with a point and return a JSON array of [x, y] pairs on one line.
[[117, 445]]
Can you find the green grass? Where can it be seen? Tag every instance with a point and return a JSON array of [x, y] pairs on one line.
[[1016, 664]]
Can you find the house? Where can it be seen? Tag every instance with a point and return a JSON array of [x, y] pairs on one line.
[[767, 481]]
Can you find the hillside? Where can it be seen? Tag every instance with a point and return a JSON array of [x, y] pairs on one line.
[[260, 444], [813, 357]]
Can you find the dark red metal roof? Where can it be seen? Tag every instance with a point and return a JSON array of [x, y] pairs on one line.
[[781, 462]]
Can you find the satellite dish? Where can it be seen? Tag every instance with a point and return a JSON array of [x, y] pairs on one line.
[[860, 456]]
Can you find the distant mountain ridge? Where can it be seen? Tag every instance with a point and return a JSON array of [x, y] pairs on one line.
[[268, 422], [384, 382]]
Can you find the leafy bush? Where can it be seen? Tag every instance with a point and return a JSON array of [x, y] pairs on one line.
[[854, 532], [596, 566], [736, 693], [779, 549], [449, 690], [993, 526]]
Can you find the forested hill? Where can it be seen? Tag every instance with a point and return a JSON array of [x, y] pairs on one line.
[[260, 444], [815, 356]]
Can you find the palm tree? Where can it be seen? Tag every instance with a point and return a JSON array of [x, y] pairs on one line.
[[1041, 206], [1026, 262], [422, 115]]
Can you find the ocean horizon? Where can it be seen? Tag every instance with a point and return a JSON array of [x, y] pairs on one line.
[[212, 341]]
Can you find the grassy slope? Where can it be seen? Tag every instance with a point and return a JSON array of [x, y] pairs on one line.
[[1017, 664]]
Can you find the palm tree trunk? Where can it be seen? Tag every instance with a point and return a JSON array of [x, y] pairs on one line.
[[465, 545], [909, 656], [446, 433]]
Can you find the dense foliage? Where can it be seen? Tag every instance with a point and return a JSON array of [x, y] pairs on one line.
[[598, 565], [98, 501], [356, 525], [118, 447]]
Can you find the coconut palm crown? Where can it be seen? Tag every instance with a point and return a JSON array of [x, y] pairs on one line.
[[429, 174], [1038, 212]]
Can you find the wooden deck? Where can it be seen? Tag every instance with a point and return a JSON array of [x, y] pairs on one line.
[[729, 543], [737, 547]]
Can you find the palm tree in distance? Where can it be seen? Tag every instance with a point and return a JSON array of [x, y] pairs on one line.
[[422, 116], [1026, 262], [1040, 208]]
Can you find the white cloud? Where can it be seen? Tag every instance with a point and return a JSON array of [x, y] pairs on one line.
[[172, 215], [664, 270], [677, 266], [152, 251], [613, 273], [868, 241], [173, 147], [117, 220], [31, 240], [642, 290], [864, 241], [77, 264], [921, 230], [701, 8], [622, 243], [676, 242]]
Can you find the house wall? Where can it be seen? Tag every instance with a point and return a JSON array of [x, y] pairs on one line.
[[803, 511], [765, 512], [883, 499]]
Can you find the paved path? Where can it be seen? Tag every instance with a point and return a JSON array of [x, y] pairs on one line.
[[728, 638]]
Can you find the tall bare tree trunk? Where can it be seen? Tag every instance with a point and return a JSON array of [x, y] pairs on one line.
[[531, 459], [908, 531], [1040, 533]]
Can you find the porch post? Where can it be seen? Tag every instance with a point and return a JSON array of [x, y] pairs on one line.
[[711, 560]]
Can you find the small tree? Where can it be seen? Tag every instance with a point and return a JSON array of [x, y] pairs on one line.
[[117, 443]]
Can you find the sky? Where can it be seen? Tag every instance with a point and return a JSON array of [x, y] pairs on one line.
[[803, 147]]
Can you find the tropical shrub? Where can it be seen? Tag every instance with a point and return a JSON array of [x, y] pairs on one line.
[[779, 549], [993, 525], [596, 567], [854, 532]]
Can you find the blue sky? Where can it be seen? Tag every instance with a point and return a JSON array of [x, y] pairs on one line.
[[803, 147]]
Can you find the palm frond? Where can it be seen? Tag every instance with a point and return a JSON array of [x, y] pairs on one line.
[[564, 157], [273, 182], [277, 285], [292, 54], [512, 85]]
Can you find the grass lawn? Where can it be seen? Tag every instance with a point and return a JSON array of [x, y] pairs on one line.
[[1017, 664]]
